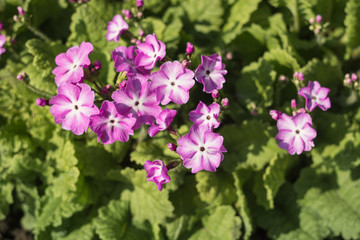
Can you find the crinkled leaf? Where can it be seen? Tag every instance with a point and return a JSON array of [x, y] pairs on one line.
[[352, 23]]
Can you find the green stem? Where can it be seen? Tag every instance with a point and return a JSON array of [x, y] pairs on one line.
[[38, 33], [38, 91]]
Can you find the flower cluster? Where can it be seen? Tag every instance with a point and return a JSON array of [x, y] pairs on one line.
[[140, 97], [296, 133]]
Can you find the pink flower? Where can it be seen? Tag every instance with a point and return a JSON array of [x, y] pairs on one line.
[[149, 52], [206, 115], [21, 11], [172, 83], [157, 173], [124, 60], [315, 96], [73, 107], [211, 73], [110, 126], [215, 94], [295, 133], [71, 64], [201, 149], [163, 121], [115, 28], [2, 43], [138, 100], [139, 3], [42, 102], [225, 102]]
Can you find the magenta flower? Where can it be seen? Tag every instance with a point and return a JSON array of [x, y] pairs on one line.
[[295, 133], [315, 96], [110, 126], [149, 52], [275, 114], [157, 173], [138, 100], [172, 83], [189, 48], [42, 102], [163, 121], [73, 107], [139, 3], [124, 60], [115, 28], [2, 43], [21, 11], [206, 115], [201, 149], [71, 64], [211, 73]]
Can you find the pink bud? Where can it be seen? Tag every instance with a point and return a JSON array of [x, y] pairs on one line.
[[41, 102], [317, 31], [139, 14], [229, 56], [301, 76], [141, 33], [122, 84], [296, 75], [293, 103], [21, 76], [275, 114], [189, 48], [97, 65], [347, 81], [185, 63], [282, 78], [15, 18], [137, 42], [139, 3], [106, 89], [318, 18], [311, 21], [127, 13], [1, 26], [254, 112], [21, 11], [215, 94], [225, 102], [172, 147], [354, 77]]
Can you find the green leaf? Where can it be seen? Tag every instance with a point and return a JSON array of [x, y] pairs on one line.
[[215, 188], [240, 14], [6, 198], [114, 222], [213, 228], [282, 61], [352, 24]]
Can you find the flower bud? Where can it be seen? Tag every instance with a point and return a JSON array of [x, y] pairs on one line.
[[301, 76], [296, 75], [105, 89], [229, 56], [185, 63], [354, 77], [97, 65], [189, 48], [275, 114], [282, 78], [215, 94], [1, 26], [318, 18], [311, 21], [225, 102], [42, 102], [141, 33], [21, 76], [172, 147], [139, 3], [127, 13], [15, 18], [21, 11], [293, 103]]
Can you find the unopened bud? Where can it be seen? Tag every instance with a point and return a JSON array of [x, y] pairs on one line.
[[296, 75], [275, 114], [189, 48], [21, 11], [293, 103], [185, 63], [122, 84], [127, 13], [97, 65], [105, 89], [229, 56], [215, 94], [311, 20], [354, 77], [21, 76], [42, 102], [225, 102], [301, 76], [139, 3], [282, 78], [1, 26], [141, 33], [172, 147], [139, 14], [318, 18], [15, 18]]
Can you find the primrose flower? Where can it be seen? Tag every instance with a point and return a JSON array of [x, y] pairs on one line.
[[115, 28], [70, 64], [295, 133], [315, 96], [157, 173], [163, 121], [149, 52], [73, 107], [206, 115], [110, 126], [138, 100], [211, 73], [201, 149], [124, 60], [172, 83], [2, 43]]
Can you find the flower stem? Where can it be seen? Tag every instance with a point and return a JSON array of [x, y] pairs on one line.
[[38, 33]]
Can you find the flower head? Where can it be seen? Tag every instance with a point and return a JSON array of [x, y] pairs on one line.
[[315, 96], [206, 115], [2, 43], [115, 28], [172, 83], [163, 121], [201, 149], [124, 60], [138, 100], [21, 11], [73, 107], [295, 133], [211, 73], [110, 126], [189, 48], [70, 64], [42, 102], [275, 114], [157, 173], [149, 52]]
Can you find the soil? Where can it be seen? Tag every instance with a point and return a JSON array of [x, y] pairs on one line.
[[11, 229]]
